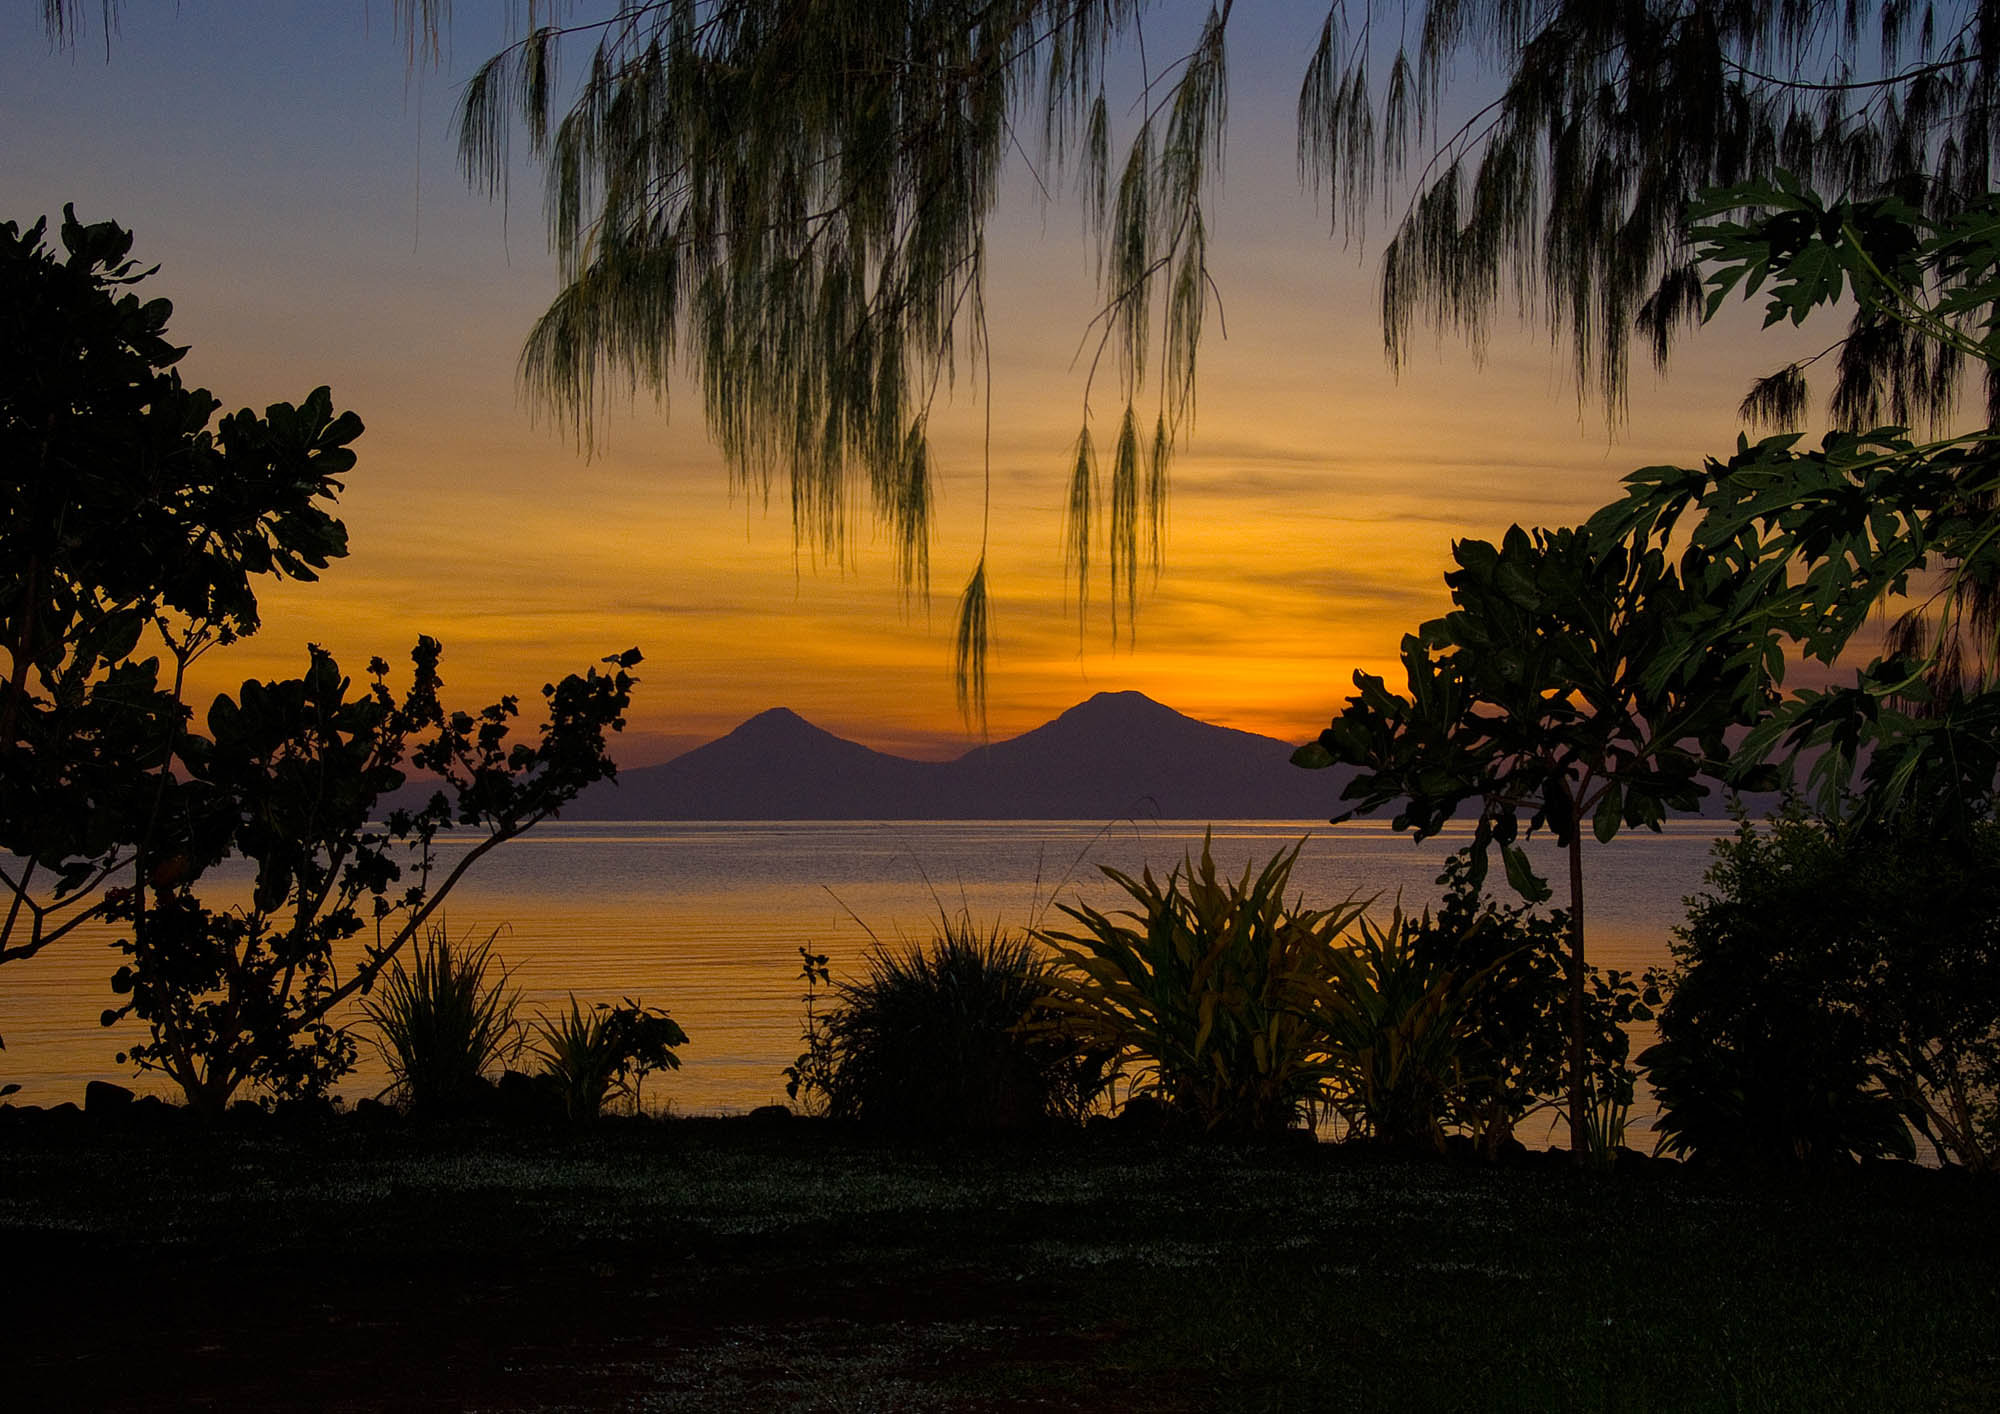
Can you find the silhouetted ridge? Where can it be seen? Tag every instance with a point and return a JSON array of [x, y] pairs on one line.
[[1118, 754], [776, 766], [1121, 753], [777, 722]]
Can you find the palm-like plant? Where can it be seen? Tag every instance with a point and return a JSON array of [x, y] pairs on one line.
[[606, 1050], [574, 1054], [1215, 988], [1397, 1016], [444, 1021]]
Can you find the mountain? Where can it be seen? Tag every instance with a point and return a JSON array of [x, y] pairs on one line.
[[776, 766], [1119, 754]]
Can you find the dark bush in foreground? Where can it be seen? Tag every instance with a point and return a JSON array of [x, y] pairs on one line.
[[1837, 988], [951, 1037]]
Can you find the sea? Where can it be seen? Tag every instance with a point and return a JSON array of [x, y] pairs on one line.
[[707, 920]]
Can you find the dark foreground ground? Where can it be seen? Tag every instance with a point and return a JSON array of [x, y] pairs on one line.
[[718, 1266]]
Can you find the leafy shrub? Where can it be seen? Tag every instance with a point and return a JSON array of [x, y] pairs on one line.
[[442, 1022], [1243, 1013], [592, 1055], [949, 1037], [292, 781], [1836, 985], [1211, 987], [809, 1079], [1512, 1055]]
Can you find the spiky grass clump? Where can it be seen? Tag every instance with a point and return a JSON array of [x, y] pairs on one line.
[[574, 1054], [444, 1021], [1212, 988], [592, 1055], [953, 1037]]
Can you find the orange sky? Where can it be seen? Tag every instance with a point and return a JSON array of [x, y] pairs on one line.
[[296, 185]]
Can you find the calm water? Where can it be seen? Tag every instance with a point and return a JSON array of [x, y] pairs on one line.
[[706, 920]]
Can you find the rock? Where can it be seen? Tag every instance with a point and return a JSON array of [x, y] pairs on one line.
[[1627, 1162], [522, 1098], [371, 1111], [306, 1111], [153, 1112], [101, 1098], [1148, 1115]]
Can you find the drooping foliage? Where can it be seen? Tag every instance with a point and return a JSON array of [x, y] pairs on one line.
[[789, 201], [1566, 191]]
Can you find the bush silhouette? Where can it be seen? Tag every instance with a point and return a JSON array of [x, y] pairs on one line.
[[954, 1037]]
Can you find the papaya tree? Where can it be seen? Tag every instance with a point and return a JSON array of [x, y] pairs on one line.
[[1874, 517], [1578, 685]]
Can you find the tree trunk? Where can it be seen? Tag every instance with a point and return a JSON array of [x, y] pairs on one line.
[[1577, 1086]]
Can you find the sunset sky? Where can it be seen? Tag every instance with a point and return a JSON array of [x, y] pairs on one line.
[[296, 182]]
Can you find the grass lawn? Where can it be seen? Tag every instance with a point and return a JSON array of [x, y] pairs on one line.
[[722, 1265]]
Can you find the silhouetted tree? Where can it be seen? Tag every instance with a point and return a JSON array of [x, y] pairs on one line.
[[1561, 687], [292, 779], [125, 520], [130, 528]]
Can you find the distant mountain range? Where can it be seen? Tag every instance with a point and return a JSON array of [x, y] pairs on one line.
[[1119, 754]]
